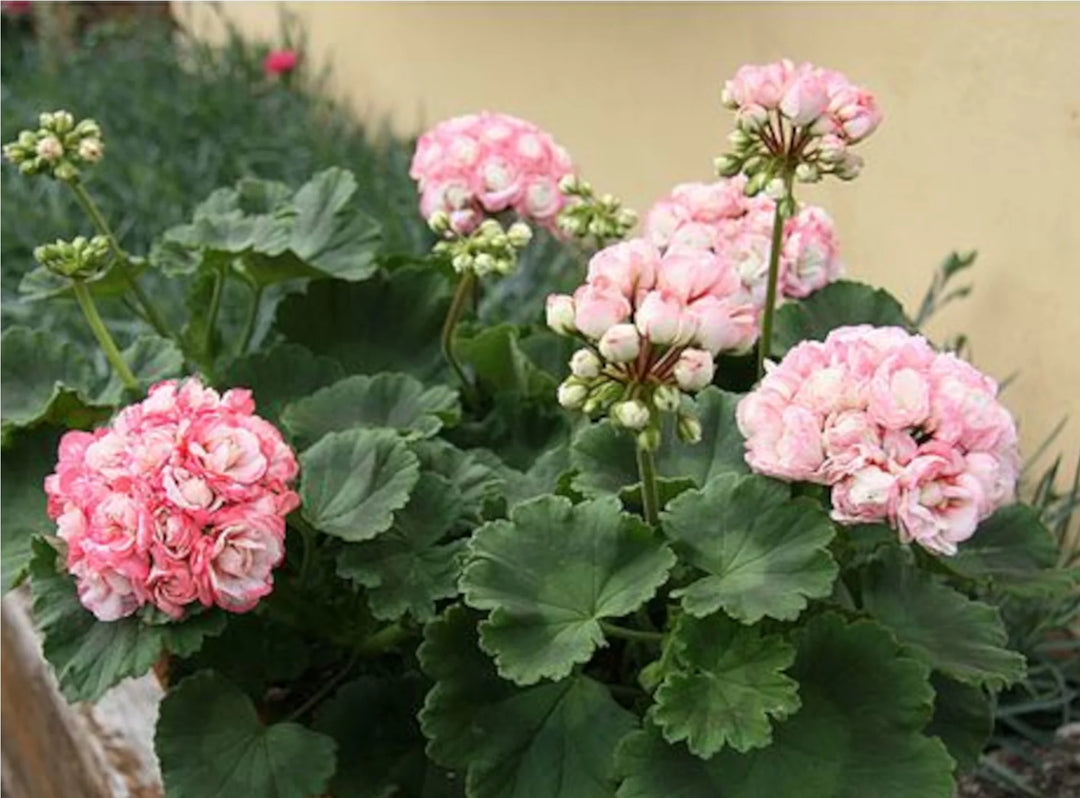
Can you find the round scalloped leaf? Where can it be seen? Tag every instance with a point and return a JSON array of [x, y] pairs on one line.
[[406, 569], [549, 575], [280, 375], [90, 656], [211, 744], [962, 638], [729, 688], [553, 740], [151, 358], [23, 467], [353, 481], [387, 400], [962, 720], [763, 553], [858, 733], [838, 304]]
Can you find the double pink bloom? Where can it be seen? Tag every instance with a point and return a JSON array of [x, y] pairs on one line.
[[486, 163], [719, 217], [182, 499], [902, 434]]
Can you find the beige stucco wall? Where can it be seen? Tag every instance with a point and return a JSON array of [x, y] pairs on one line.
[[980, 147]]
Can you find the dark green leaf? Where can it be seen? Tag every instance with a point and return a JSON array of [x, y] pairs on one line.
[[353, 481], [211, 744], [764, 553], [963, 639], [546, 266], [858, 733], [280, 375], [553, 740], [393, 401], [551, 573], [90, 656], [150, 359], [728, 689], [501, 364], [477, 475], [23, 468], [962, 720], [839, 304]]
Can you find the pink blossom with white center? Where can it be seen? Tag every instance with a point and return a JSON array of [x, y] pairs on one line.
[[141, 504], [910, 437], [486, 163]]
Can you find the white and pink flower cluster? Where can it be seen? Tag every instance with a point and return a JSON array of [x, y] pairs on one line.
[[903, 434], [486, 163], [181, 500], [718, 216]]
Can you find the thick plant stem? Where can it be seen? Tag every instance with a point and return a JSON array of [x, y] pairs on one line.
[[383, 640], [215, 307], [252, 318], [453, 315], [91, 209], [650, 500], [765, 340], [101, 332], [635, 635], [325, 690]]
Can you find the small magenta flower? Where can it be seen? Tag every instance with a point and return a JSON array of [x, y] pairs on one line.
[[280, 62]]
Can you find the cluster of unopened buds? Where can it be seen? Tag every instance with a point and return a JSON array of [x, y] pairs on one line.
[[795, 122], [901, 433], [486, 163], [180, 501], [587, 216], [78, 259], [58, 148], [652, 323], [719, 217], [489, 249]]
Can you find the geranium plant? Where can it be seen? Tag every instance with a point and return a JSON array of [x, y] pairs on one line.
[[544, 511]]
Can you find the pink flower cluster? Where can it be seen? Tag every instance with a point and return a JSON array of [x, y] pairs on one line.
[[718, 216], [807, 96], [181, 499], [280, 62], [635, 294], [903, 434], [485, 163]]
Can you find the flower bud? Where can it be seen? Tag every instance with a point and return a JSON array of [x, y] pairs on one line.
[[727, 165], [807, 173], [572, 394], [560, 313], [632, 414], [832, 150], [739, 138], [664, 319], [649, 439], [626, 218], [519, 235], [850, 167], [620, 344], [755, 184], [775, 189], [91, 150], [585, 364], [751, 118], [666, 398], [439, 222], [484, 263], [50, 149], [568, 184], [689, 429], [693, 370], [462, 262], [65, 172], [602, 397]]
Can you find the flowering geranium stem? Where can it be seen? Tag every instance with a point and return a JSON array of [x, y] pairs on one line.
[[453, 315], [215, 307], [636, 635], [649, 498], [252, 318], [101, 332], [91, 209], [765, 341], [325, 690]]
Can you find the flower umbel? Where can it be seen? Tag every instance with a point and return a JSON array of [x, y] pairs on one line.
[[58, 148], [586, 216], [180, 501], [488, 249], [78, 259]]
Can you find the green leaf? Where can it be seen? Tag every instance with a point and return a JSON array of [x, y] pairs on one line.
[[380, 747], [1014, 552], [962, 720], [728, 689], [606, 460], [211, 744], [393, 401], [764, 553], [858, 733], [477, 475], [836, 305], [405, 569], [549, 575], [553, 740], [353, 481], [151, 359], [280, 375], [90, 656], [501, 364], [40, 283], [391, 322], [23, 468], [46, 378], [963, 639]]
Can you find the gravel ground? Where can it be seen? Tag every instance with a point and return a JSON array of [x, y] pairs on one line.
[[1057, 774]]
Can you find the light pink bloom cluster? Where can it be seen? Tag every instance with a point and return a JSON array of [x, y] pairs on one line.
[[486, 163], [902, 433], [181, 499], [718, 216]]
